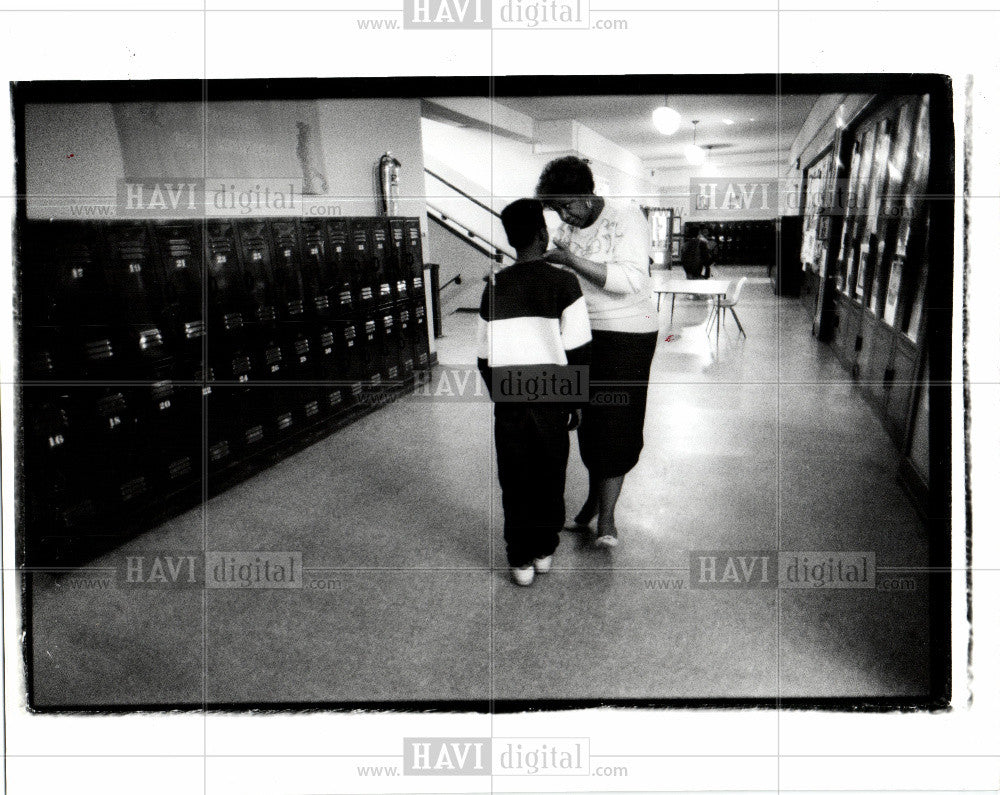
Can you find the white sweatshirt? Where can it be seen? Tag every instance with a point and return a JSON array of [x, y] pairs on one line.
[[619, 238]]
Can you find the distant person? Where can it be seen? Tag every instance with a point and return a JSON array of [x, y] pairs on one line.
[[532, 318], [697, 255], [606, 243]]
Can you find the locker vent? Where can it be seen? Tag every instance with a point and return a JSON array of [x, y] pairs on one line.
[[180, 468], [99, 349], [218, 451], [133, 488]]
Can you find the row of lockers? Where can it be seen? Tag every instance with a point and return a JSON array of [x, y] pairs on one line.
[[116, 445], [127, 417], [738, 242], [152, 300]]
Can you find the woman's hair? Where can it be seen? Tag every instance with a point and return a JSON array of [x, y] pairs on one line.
[[565, 176]]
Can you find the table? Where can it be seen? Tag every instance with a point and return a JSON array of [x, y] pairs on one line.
[[713, 288]]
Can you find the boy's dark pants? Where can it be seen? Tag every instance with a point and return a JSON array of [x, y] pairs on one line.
[[532, 450]]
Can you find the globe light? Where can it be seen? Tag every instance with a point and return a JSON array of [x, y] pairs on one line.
[[840, 121], [666, 120], [694, 154]]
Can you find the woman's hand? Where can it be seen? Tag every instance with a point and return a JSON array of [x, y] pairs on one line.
[[595, 272], [560, 255]]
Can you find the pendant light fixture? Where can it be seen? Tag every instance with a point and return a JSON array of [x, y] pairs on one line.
[[665, 119], [694, 154]]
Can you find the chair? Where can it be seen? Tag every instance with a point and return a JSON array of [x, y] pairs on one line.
[[729, 302]]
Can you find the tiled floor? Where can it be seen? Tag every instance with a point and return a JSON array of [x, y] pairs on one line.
[[397, 519]]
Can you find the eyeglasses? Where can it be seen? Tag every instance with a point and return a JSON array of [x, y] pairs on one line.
[[569, 209]]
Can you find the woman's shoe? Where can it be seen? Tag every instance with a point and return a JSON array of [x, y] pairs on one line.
[[543, 565], [607, 540], [523, 575]]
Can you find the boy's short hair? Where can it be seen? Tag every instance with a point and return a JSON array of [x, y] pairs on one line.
[[522, 221]]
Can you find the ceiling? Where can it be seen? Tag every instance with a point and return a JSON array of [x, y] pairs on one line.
[[762, 124]]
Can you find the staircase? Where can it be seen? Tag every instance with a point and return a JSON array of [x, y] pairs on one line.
[[464, 231]]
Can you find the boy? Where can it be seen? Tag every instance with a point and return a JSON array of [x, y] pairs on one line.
[[532, 319], [697, 256]]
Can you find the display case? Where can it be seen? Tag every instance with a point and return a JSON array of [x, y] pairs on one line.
[[664, 236], [815, 220], [817, 193], [881, 261]]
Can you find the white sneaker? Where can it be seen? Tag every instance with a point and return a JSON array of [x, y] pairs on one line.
[[543, 565], [523, 575]]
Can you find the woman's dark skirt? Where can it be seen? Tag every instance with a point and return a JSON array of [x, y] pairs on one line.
[[611, 428]]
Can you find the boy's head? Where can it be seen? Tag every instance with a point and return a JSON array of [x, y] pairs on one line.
[[524, 224]]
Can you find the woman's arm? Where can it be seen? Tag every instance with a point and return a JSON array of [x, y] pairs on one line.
[[628, 270], [595, 272]]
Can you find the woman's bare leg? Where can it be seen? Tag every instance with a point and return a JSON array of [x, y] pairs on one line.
[[587, 513], [608, 489]]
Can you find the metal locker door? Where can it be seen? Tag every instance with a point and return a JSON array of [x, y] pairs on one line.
[[304, 393], [71, 260], [290, 279], [113, 440], [406, 327], [354, 361], [248, 404], [317, 268], [227, 299], [220, 423], [397, 258], [60, 505], [381, 257], [227, 291], [421, 343], [256, 263], [130, 272], [137, 286], [170, 432], [364, 283], [343, 289], [330, 379], [180, 249], [389, 333], [373, 353], [414, 257]]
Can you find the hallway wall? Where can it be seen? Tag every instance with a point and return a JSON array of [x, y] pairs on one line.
[[454, 258], [79, 151]]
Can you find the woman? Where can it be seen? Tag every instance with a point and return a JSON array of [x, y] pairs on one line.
[[606, 243]]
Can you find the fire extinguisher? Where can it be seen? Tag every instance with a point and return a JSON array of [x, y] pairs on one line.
[[387, 177]]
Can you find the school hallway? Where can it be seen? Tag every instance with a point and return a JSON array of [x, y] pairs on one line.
[[766, 446]]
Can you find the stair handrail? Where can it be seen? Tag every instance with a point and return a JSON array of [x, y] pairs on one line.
[[470, 233], [461, 192]]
